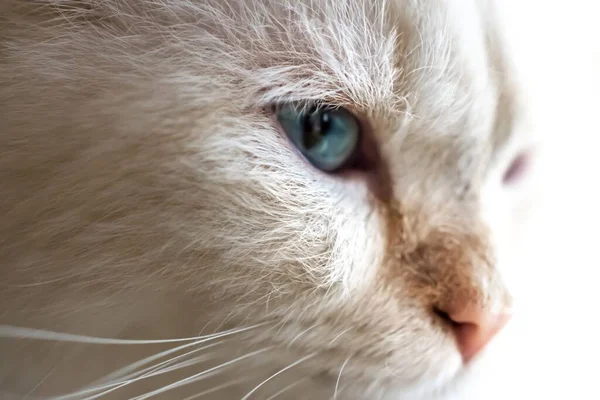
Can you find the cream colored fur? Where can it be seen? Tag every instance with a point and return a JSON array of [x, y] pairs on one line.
[[146, 192]]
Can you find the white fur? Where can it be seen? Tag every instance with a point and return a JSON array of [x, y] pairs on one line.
[[147, 192]]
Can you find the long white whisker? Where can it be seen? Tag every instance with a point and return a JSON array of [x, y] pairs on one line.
[[337, 382], [247, 396], [129, 375], [184, 364], [131, 369], [152, 358], [200, 375], [149, 372], [8, 331], [288, 387], [167, 365], [118, 385]]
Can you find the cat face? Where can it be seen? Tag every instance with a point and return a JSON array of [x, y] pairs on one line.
[[145, 160]]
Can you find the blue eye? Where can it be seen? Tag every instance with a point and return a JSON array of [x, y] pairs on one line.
[[326, 136]]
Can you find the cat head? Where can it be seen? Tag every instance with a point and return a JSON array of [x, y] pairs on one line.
[[320, 169]]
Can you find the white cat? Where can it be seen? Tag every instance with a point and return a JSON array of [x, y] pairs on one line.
[[332, 186]]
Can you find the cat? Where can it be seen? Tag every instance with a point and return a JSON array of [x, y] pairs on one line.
[[313, 189]]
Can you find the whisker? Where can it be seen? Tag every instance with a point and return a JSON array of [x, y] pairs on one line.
[[288, 387], [227, 318], [300, 334], [12, 395], [166, 365], [200, 375], [339, 335], [132, 367], [152, 358], [247, 396], [149, 372], [179, 366], [337, 382], [185, 364], [128, 374], [28, 395], [8, 331], [154, 373]]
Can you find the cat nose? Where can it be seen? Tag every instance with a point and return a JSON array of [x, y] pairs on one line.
[[475, 328]]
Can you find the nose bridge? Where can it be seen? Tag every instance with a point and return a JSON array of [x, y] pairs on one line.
[[459, 267], [465, 287]]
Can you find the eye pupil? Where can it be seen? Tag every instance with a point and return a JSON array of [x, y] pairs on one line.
[[326, 136], [316, 126]]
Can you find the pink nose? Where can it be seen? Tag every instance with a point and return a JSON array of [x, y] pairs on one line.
[[475, 329]]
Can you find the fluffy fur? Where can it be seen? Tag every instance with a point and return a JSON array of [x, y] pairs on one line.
[[146, 191]]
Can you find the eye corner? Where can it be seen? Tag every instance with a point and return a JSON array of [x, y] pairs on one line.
[[518, 168]]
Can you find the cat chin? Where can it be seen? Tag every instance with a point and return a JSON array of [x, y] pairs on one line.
[[450, 381], [454, 383], [456, 389]]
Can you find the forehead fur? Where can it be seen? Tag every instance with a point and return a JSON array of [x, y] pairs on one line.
[[425, 76], [429, 59]]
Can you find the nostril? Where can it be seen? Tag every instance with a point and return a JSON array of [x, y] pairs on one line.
[[444, 317]]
